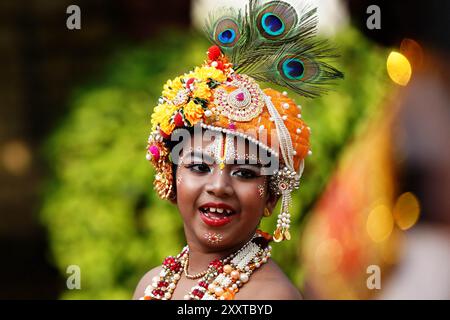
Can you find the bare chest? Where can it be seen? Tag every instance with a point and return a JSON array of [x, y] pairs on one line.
[[184, 286]]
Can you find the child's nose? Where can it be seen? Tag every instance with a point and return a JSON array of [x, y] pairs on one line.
[[220, 184]]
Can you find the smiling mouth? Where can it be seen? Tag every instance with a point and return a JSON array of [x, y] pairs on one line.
[[219, 212], [215, 216]]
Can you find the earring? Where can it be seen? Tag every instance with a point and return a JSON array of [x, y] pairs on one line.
[[267, 213], [283, 183]]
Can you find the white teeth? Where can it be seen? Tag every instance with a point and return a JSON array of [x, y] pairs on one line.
[[218, 210]]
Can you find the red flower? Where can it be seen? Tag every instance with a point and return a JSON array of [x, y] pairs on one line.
[[178, 120], [214, 53], [220, 65], [189, 82]]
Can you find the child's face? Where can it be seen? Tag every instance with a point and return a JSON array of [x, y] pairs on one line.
[[203, 186]]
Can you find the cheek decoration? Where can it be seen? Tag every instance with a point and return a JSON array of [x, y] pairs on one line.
[[213, 238], [179, 179], [261, 190]]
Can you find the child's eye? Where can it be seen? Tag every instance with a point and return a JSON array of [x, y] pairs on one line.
[[245, 174], [199, 167]]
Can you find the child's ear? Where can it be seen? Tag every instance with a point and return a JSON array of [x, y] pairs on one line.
[[272, 200]]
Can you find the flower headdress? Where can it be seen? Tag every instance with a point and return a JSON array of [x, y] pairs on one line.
[[270, 42]]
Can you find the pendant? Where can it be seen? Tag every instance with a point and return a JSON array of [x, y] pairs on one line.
[[242, 104], [278, 235]]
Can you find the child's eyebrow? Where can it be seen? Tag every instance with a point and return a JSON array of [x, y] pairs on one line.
[[246, 162]]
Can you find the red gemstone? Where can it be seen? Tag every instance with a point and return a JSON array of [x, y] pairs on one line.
[[175, 266], [232, 126], [198, 293], [217, 264], [157, 292], [203, 284], [163, 284], [240, 96], [168, 261]]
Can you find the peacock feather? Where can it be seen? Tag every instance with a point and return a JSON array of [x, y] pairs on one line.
[[272, 42]]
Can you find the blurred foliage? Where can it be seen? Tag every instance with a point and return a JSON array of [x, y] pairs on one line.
[[98, 205]]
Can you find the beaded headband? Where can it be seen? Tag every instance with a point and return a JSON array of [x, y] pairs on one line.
[[270, 43]]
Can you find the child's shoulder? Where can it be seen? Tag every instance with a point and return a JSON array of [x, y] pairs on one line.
[[145, 281], [269, 283]]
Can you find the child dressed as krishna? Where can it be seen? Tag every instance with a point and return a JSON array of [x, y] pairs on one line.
[[225, 151]]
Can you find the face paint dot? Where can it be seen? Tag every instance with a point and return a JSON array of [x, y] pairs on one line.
[[213, 238]]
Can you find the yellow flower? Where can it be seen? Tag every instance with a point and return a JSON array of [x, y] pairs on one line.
[[205, 73], [193, 112], [161, 116], [167, 127], [202, 91], [172, 87]]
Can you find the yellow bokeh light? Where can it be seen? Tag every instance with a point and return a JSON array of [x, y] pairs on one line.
[[15, 156], [406, 211], [379, 223], [399, 68]]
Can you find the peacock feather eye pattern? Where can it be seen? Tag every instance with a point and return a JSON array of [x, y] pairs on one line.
[[274, 42], [276, 19], [292, 68], [227, 32]]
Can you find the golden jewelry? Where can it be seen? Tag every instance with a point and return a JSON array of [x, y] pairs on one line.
[[267, 213], [192, 276]]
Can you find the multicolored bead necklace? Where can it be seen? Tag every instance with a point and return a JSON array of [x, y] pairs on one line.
[[223, 278]]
